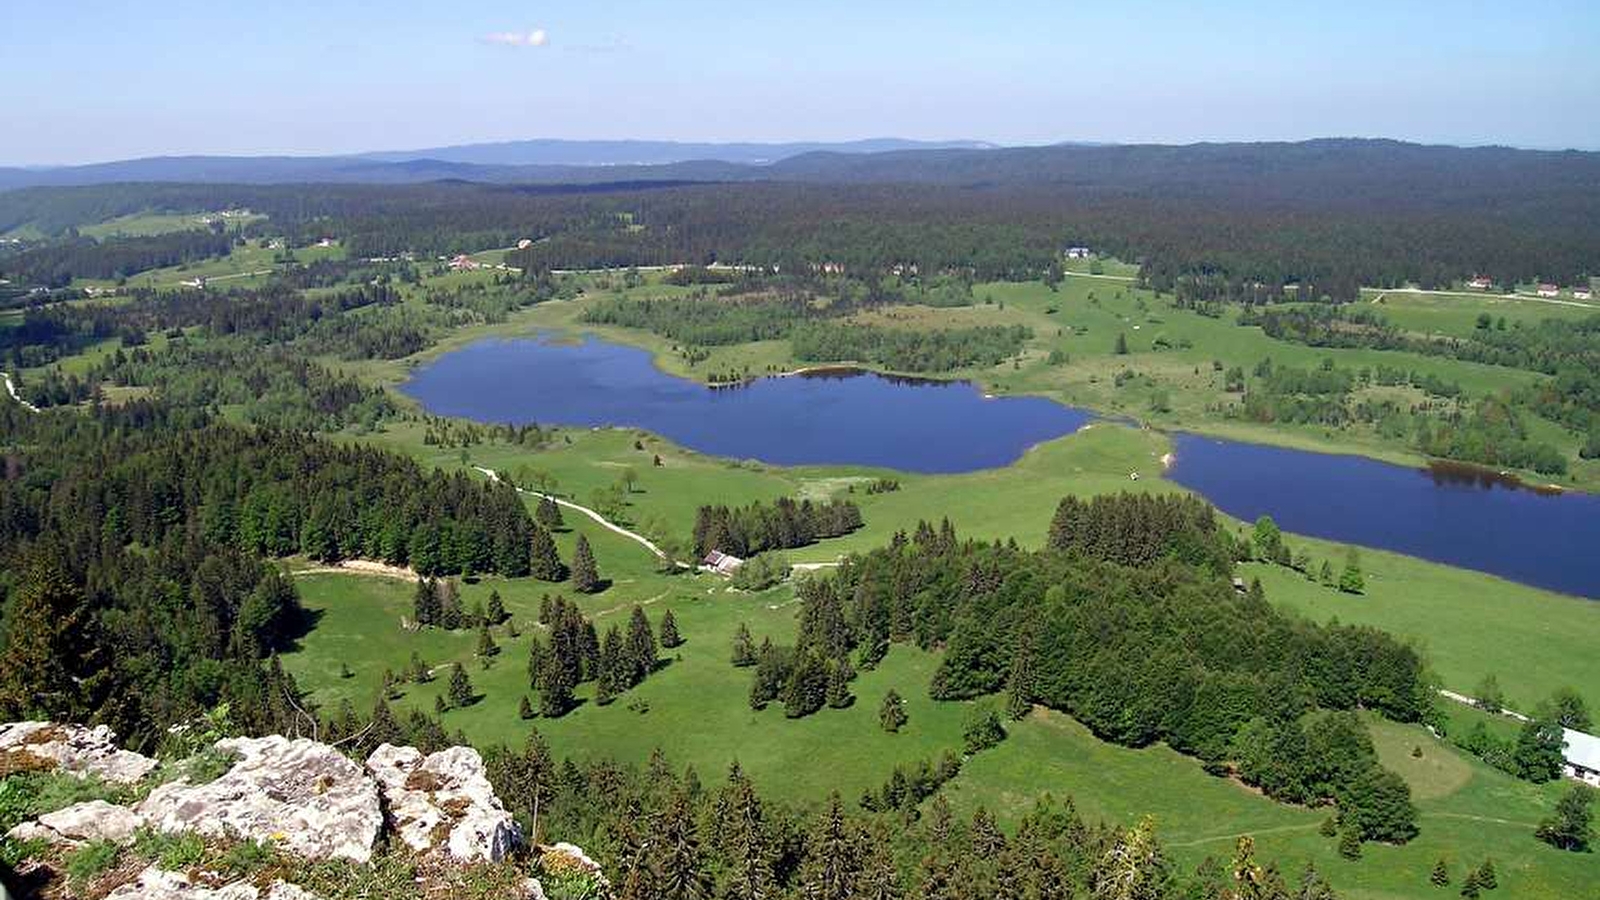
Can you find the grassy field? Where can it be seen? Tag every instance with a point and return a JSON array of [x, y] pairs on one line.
[[155, 222]]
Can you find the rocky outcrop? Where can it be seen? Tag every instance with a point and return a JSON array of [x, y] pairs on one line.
[[72, 748], [444, 801], [298, 794], [158, 884], [94, 820]]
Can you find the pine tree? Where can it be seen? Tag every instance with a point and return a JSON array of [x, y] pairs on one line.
[[548, 514], [806, 690], [450, 615], [497, 608], [425, 603], [833, 857], [679, 870], [460, 691], [486, 645], [615, 669], [1351, 580], [1019, 683], [555, 688], [744, 648], [1470, 888], [524, 708], [585, 576], [1122, 344], [384, 729], [1350, 842], [475, 617], [641, 647], [1486, 876], [839, 675], [669, 630], [1441, 873], [892, 714], [1569, 828], [543, 561], [417, 669]]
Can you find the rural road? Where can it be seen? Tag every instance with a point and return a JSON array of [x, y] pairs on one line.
[[631, 535], [1471, 701], [11, 389]]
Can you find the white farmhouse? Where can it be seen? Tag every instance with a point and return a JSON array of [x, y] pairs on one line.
[[1582, 755]]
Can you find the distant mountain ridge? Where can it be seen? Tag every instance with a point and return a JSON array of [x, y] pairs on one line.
[[558, 152]]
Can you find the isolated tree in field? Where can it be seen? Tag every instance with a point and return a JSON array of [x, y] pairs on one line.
[[585, 576], [892, 713], [1570, 827], [1351, 580], [1122, 345], [1325, 574], [744, 647], [475, 617], [1441, 874], [524, 708], [418, 669], [1487, 879], [543, 561], [1568, 709], [1267, 538], [616, 671], [460, 691], [1470, 888], [548, 514], [669, 631], [486, 645], [497, 608], [629, 478], [641, 646]]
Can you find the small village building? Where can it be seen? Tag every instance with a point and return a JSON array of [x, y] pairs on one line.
[[1549, 290], [463, 263], [1582, 293], [1078, 253], [524, 244], [722, 563], [1482, 283], [1582, 756]]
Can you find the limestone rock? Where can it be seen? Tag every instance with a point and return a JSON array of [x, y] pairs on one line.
[[94, 820], [444, 800], [73, 748], [569, 858], [299, 794], [158, 884]]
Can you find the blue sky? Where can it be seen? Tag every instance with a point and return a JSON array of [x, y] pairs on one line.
[[88, 80]]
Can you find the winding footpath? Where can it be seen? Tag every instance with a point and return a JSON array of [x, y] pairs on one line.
[[631, 535], [11, 388]]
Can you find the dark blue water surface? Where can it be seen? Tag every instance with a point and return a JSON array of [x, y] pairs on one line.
[[846, 417], [1454, 516]]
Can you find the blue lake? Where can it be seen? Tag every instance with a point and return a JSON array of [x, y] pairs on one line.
[[843, 417]]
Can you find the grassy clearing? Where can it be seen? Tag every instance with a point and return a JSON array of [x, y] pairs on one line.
[[153, 222]]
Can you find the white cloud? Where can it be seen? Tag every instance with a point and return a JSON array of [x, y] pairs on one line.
[[534, 38]]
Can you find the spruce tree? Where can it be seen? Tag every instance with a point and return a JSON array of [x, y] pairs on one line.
[[1569, 827], [680, 872], [641, 646], [1350, 842], [1019, 682], [585, 576], [669, 630], [417, 669], [548, 514], [460, 690], [1351, 580], [1470, 888], [833, 857], [806, 690], [1441, 873], [839, 675], [892, 714], [524, 708], [450, 614], [1486, 876], [744, 648], [555, 688], [425, 603], [543, 561], [497, 608], [486, 645], [615, 669], [384, 729]]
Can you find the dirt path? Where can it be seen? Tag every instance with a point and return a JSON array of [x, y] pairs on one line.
[[359, 567], [612, 526], [11, 389], [1469, 701], [1106, 277], [1282, 829]]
